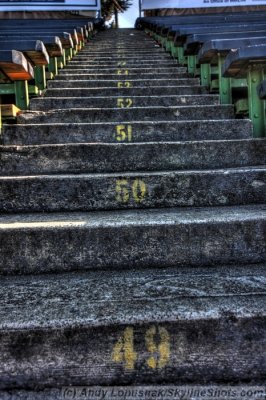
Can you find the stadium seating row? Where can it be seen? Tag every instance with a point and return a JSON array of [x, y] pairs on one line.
[[227, 52], [32, 51]]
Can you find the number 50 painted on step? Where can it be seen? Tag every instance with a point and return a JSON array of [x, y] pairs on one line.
[[126, 190]]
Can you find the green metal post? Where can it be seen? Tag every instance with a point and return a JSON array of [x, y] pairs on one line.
[[256, 106], [67, 53], [52, 66], [192, 63], [225, 90], [173, 50], [40, 77], [62, 60], [181, 57], [22, 94], [205, 75], [168, 45]]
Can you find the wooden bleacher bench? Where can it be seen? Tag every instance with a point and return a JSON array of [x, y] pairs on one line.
[[15, 72], [214, 52], [202, 43], [195, 41], [27, 47]]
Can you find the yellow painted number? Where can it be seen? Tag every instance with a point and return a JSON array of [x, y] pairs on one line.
[[123, 351], [124, 189], [124, 84], [124, 103], [138, 190], [121, 63], [161, 351], [124, 133], [122, 72]]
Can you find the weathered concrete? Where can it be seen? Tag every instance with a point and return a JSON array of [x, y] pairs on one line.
[[132, 238], [105, 64], [92, 192], [61, 82], [131, 58], [182, 288], [148, 131], [124, 91], [79, 115], [118, 76], [99, 158], [91, 68], [50, 103], [208, 320]]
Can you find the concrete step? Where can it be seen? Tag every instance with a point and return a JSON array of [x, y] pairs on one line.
[[81, 115], [127, 49], [122, 74], [120, 81], [138, 132], [166, 66], [49, 103], [114, 70], [114, 53], [128, 190], [204, 321], [99, 158], [49, 242], [129, 58], [141, 63], [124, 91]]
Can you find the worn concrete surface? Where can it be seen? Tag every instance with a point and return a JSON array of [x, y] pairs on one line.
[[90, 192], [132, 238], [126, 91], [61, 82], [70, 326], [148, 131], [145, 68], [171, 113], [184, 285], [50, 103], [154, 156]]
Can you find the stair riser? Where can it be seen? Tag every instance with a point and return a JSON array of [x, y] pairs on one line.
[[120, 82], [89, 158], [45, 104], [91, 193], [115, 91], [84, 355], [140, 132], [77, 244], [129, 114]]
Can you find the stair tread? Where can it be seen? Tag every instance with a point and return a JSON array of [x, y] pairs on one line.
[[144, 173], [153, 295], [143, 131], [95, 157], [155, 217]]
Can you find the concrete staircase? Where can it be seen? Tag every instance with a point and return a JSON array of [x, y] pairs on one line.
[[132, 229]]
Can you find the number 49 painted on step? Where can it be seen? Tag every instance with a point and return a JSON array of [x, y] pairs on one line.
[[158, 349]]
